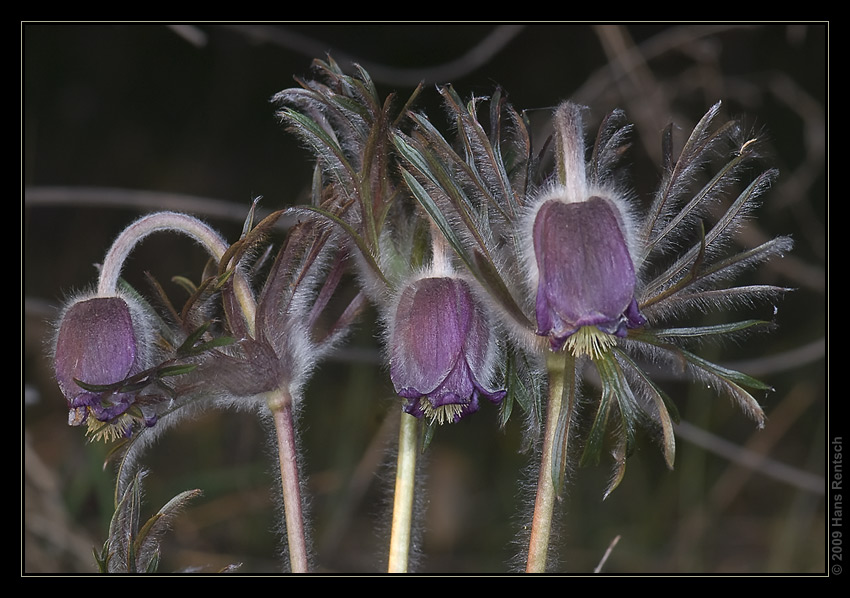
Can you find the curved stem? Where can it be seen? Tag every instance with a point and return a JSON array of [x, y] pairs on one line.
[[279, 401], [176, 222], [553, 459], [280, 404], [403, 499]]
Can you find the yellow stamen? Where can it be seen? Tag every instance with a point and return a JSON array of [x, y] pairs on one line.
[[590, 341], [108, 432], [444, 414]]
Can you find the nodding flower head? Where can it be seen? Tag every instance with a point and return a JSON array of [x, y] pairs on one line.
[[586, 279], [442, 349], [97, 345], [584, 271]]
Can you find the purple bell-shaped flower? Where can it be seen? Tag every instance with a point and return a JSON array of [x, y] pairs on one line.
[[585, 272], [442, 348], [96, 345], [583, 267]]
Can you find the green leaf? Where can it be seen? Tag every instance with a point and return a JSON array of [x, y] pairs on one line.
[[436, 170], [616, 393], [102, 557], [407, 109], [368, 85], [153, 563], [718, 232], [699, 140], [524, 385], [673, 271], [427, 434], [479, 264], [146, 529], [730, 380], [495, 284], [596, 437], [149, 536], [96, 387], [249, 219], [124, 524], [665, 409], [116, 451], [365, 250], [324, 146], [248, 242], [699, 331], [475, 135], [219, 341], [437, 216], [734, 381], [513, 386], [726, 373], [193, 338], [630, 413], [175, 370], [561, 444], [620, 453], [187, 284]]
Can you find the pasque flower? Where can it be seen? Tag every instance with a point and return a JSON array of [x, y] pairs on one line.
[[580, 278], [585, 280], [112, 350], [441, 344], [442, 348], [583, 263], [585, 273], [434, 325], [97, 345], [224, 347], [574, 262]]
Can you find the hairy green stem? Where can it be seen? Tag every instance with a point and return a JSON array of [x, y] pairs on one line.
[[553, 453], [280, 404], [403, 499]]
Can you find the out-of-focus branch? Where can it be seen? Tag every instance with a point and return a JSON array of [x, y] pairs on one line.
[[144, 201], [477, 56]]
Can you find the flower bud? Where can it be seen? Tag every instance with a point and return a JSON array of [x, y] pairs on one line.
[[442, 349], [97, 345], [585, 273]]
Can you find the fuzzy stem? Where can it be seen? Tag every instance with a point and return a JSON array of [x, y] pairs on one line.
[[403, 501], [547, 486], [280, 404], [440, 260], [176, 222]]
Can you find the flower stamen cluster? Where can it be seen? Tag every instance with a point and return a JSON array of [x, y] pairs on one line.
[[590, 341], [442, 414]]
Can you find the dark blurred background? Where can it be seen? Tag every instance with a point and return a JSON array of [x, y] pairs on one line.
[[123, 119]]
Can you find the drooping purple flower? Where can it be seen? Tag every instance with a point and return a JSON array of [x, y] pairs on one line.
[[585, 272], [96, 345], [441, 347]]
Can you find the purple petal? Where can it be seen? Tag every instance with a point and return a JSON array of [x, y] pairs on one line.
[[431, 324], [96, 344], [440, 347], [586, 276]]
